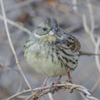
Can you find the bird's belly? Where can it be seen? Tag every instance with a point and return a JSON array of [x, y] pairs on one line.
[[46, 66], [50, 69]]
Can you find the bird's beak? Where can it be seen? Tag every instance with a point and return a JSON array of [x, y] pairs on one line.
[[52, 32]]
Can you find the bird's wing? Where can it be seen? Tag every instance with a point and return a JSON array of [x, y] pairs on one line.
[[70, 41]]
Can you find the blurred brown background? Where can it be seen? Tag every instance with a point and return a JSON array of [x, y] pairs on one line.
[[29, 13]]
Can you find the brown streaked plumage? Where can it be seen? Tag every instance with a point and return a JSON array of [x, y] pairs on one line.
[[50, 50]]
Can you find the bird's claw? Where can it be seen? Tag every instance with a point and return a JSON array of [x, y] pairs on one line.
[[54, 83]]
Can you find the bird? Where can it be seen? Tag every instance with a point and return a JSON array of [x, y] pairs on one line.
[[52, 51]]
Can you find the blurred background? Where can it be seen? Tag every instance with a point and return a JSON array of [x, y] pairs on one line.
[[81, 18]]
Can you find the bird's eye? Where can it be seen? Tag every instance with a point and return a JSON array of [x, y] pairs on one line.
[[44, 29]]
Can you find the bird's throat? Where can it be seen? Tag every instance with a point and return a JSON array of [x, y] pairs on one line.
[[51, 38]]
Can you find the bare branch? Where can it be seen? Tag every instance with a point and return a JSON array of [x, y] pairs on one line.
[[92, 21], [16, 25], [97, 51], [11, 45], [73, 28], [91, 33], [95, 86], [75, 7], [82, 90], [86, 28], [49, 94]]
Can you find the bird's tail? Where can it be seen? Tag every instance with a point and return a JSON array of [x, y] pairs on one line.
[[87, 53]]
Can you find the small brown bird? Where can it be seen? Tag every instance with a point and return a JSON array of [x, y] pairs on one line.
[[50, 50]]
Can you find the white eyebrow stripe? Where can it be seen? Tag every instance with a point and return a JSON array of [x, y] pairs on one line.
[[38, 36]]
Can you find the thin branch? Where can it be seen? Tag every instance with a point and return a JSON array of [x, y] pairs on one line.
[[29, 97], [91, 33], [73, 28], [75, 7], [16, 25], [92, 22], [86, 28], [11, 45], [95, 86], [82, 90], [49, 94], [97, 51]]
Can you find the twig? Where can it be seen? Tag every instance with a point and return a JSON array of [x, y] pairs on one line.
[[95, 86], [92, 22], [91, 33], [82, 90], [96, 43], [96, 51], [73, 28], [75, 7], [16, 25], [11, 45], [86, 28], [97, 63], [29, 97], [49, 94]]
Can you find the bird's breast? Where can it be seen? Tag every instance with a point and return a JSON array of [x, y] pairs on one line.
[[44, 59]]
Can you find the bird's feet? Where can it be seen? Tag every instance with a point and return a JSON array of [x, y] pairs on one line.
[[67, 70], [55, 82], [68, 73], [43, 85]]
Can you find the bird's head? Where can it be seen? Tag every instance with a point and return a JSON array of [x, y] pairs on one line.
[[47, 30]]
